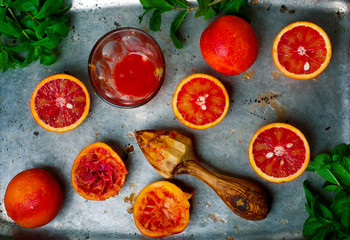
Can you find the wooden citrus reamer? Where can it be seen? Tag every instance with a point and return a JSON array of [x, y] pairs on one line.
[[171, 153]]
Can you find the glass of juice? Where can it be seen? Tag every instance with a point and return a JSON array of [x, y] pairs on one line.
[[126, 67]]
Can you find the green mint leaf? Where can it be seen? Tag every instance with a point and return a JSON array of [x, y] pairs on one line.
[[175, 25], [33, 12], [63, 19], [309, 210], [6, 68], [158, 4], [327, 174], [237, 8], [60, 28], [6, 2], [324, 211], [340, 173], [15, 60], [2, 13], [342, 232], [146, 3], [321, 234], [345, 218], [336, 157], [23, 29], [30, 33], [4, 58], [319, 161], [10, 29], [24, 5], [156, 21], [46, 57], [311, 226], [308, 195], [28, 22], [341, 150], [23, 47], [41, 28], [49, 42], [49, 7], [202, 8], [220, 7], [180, 3], [62, 10], [144, 13], [345, 162], [30, 57], [330, 187], [339, 204], [209, 13], [310, 199]]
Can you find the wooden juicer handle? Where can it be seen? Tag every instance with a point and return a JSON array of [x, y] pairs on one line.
[[244, 198]]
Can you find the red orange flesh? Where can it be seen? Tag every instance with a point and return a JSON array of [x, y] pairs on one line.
[[279, 152], [302, 50]]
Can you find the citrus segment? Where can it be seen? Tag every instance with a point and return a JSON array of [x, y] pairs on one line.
[[98, 172], [229, 45], [33, 198], [200, 101], [161, 209], [60, 103], [302, 50], [279, 152]]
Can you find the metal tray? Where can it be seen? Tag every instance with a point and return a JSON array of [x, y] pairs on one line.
[[318, 107]]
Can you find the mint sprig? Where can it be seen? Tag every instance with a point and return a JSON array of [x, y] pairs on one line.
[[205, 8], [30, 30], [329, 219]]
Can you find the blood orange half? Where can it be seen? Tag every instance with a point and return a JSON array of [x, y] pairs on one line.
[[200, 101], [98, 172], [302, 50], [161, 209], [60, 103], [279, 152]]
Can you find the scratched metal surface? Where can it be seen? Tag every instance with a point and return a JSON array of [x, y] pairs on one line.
[[317, 107]]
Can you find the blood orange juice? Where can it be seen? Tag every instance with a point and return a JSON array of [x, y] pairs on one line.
[[136, 76], [126, 67]]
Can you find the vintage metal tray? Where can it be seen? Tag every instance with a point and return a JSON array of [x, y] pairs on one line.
[[319, 108]]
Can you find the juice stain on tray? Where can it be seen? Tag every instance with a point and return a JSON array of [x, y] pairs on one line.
[[216, 218], [276, 75], [268, 99], [248, 75], [131, 198]]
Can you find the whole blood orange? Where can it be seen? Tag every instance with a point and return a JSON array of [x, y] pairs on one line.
[[200, 101], [229, 45], [60, 103], [161, 209], [98, 172], [33, 198], [302, 50], [279, 152]]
